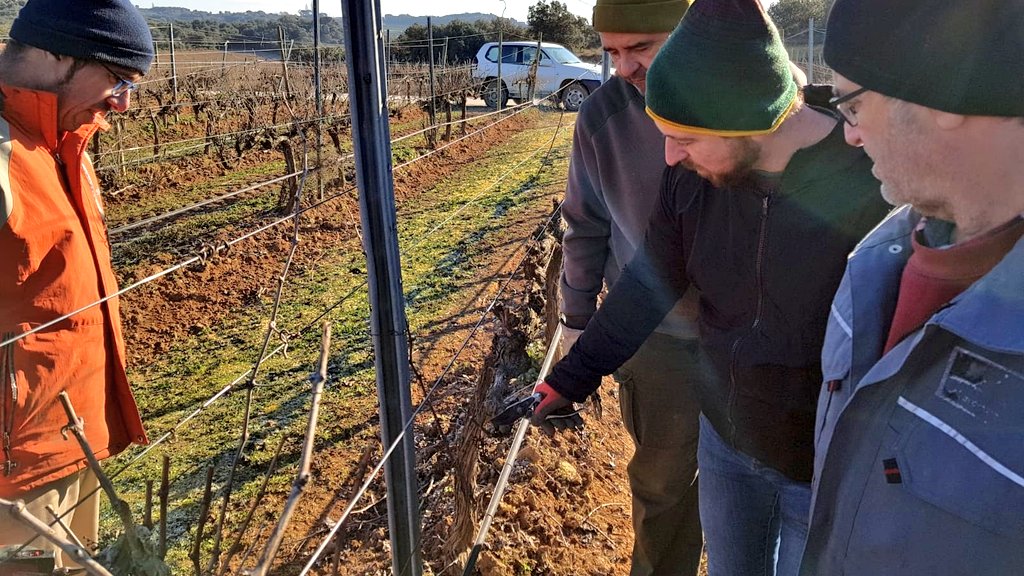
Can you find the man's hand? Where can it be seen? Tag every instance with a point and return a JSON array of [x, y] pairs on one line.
[[555, 412]]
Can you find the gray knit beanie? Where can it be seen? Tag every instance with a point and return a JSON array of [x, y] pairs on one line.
[[111, 31]]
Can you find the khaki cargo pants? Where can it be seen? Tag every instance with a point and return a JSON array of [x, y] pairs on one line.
[[660, 411], [61, 495]]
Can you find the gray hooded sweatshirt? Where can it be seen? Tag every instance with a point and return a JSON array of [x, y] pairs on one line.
[[615, 176]]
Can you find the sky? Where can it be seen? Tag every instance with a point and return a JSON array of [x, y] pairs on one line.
[[513, 8]]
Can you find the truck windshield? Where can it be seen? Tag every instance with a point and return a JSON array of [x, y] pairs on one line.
[[561, 55]]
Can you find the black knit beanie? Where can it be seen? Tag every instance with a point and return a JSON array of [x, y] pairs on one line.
[[723, 71], [958, 56], [111, 31]]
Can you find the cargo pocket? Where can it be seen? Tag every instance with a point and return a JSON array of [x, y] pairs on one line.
[[965, 467], [627, 402]]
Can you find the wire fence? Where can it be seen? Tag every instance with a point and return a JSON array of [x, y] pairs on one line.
[[805, 49], [300, 124]]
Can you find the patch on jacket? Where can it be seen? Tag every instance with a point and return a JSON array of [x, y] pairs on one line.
[[891, 468], [972, 384]]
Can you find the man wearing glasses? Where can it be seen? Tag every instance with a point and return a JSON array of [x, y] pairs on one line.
[[68, 64], [761, 204], [919, 455]]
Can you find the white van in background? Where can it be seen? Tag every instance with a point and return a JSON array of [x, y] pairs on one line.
[[558, 71]]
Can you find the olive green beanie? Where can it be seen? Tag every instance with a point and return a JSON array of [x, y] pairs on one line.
[[723, 71], [638, 16]]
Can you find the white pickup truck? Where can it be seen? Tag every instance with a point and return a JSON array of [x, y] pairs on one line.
[[558, 71]]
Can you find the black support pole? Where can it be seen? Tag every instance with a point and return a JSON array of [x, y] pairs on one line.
[[372, 142]]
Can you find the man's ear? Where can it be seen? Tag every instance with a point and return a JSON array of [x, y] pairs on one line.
[[45, 62], [40, 55]]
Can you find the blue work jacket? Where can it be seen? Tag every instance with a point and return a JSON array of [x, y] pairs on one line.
[[919, 453]]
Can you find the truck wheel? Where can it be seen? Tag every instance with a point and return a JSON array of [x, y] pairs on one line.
[[491, 94], [573, 96]]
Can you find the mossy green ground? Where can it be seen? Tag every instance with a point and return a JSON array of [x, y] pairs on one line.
[[442, 233]]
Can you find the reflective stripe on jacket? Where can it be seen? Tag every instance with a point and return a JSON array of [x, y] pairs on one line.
[[55, 259]]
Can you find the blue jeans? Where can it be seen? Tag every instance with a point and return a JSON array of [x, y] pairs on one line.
[[754, 518]]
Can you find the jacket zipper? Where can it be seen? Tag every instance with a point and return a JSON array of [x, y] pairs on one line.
[[9, 394], [762, 238], [63, 174], [66, 180]]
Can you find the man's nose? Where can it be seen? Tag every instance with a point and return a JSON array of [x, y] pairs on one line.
[[674, 153], [626, 66], [120, 103], [852, 134]]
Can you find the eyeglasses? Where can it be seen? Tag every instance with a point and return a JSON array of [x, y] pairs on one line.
[[848, 114], [123, 85]]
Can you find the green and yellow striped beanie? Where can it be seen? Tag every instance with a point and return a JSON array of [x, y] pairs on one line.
[[723, 71]]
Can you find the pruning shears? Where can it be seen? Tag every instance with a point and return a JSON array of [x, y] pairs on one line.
[[519, 409], [565, 418]]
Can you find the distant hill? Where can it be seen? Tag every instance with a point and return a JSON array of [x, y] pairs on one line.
[[397, 23], [172, 14], [196, 26]]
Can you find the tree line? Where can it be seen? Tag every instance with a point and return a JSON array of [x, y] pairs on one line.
[[194, 27]]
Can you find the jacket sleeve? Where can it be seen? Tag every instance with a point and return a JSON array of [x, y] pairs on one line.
[[588, 228], [647, 290]]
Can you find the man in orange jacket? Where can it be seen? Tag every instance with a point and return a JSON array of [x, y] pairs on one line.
[[67, 65]]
